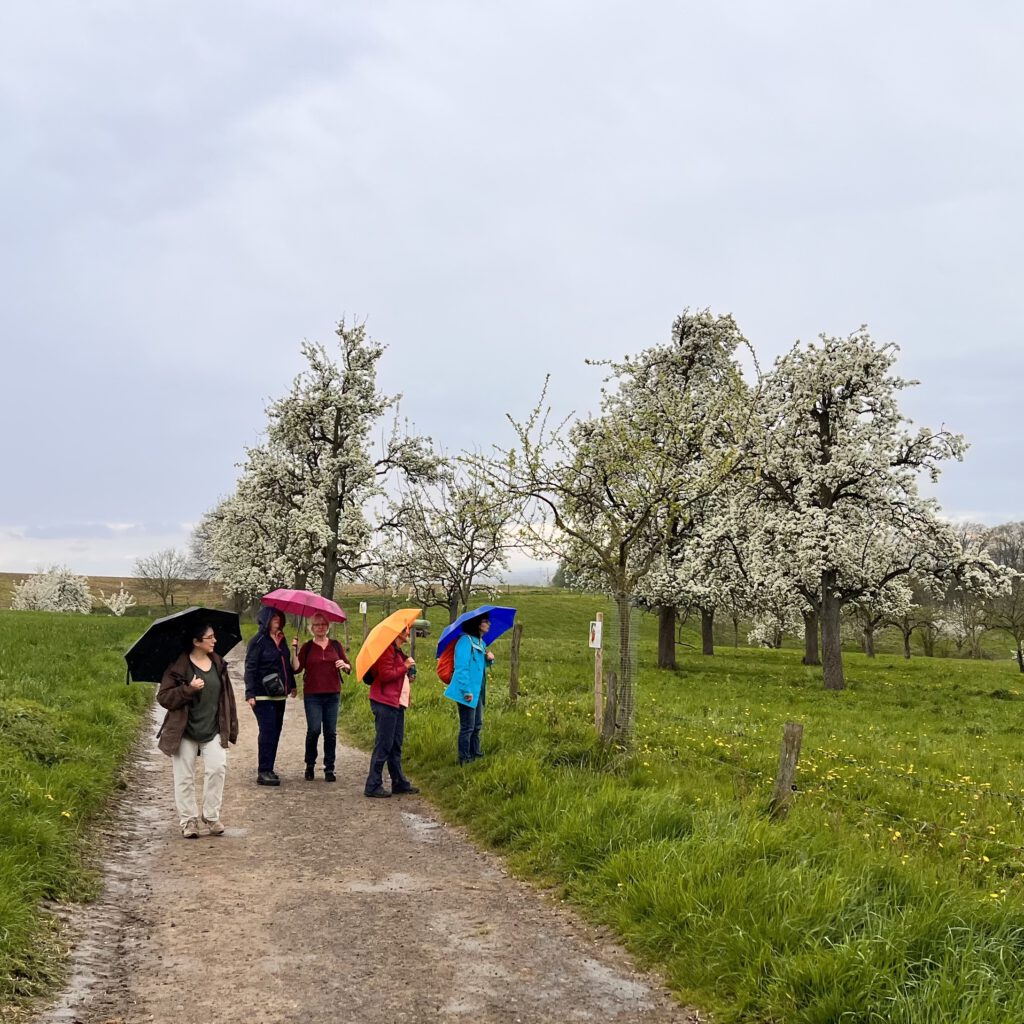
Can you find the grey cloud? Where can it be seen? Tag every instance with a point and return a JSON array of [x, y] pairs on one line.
[[503, 192]]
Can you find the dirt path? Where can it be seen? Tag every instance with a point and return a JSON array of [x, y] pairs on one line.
[[321, 905]]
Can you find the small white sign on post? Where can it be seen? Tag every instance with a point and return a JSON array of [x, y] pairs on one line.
[[595, 634], [362, 607]]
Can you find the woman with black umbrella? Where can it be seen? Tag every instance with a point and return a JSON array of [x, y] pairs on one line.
[[201, 719]]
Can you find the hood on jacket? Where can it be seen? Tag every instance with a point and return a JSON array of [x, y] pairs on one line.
[[266, 613]]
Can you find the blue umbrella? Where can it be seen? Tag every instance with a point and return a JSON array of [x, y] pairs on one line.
[[501, 622]]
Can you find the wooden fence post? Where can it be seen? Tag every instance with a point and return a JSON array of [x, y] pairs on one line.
[[513, 662], [362, 611], [789, 754], [346, 634], [611, 695], [599, 678]]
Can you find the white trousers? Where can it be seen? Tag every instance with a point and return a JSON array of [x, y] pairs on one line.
[[215, 768]]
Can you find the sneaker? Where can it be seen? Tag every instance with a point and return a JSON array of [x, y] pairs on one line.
[[380, 792], [407, 789], [267, 779], [215, 827], [329, 776], [190, 830], [309, 776]]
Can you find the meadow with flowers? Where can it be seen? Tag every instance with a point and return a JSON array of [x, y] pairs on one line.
[[892, 893]]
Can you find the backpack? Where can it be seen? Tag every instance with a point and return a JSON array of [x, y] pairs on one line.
[[446, 664]]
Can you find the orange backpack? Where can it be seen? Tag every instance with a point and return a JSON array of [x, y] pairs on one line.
[[446, 664]]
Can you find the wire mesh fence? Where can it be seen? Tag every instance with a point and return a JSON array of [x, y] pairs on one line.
[[621, 639]]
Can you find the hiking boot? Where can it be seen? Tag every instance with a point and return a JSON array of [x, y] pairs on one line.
[[215, 827], [380, 792], [274, 775], [267, 779], [190, 830], [407, 789], [310, 775], [329, 776]]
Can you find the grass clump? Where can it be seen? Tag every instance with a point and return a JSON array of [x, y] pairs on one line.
[[67, 721]]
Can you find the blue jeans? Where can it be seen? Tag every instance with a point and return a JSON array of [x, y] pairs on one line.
[[471, 721], [270, 718], [321, 715], [387, 747]]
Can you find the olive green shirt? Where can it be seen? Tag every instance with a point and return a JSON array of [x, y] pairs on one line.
[[202, 712]]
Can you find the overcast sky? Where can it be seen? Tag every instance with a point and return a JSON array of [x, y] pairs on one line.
[[187, 190]]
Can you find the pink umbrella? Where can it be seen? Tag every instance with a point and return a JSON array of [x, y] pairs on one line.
[[304, 603]]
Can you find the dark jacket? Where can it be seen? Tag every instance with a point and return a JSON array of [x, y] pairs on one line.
[[386, 676], [176, 695], [263, 656]]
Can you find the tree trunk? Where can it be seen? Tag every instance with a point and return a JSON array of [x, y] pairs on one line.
[[667, 636], [707, 630], [330, 570], [831, 638], [906, 643], [812, 655], [735, 630], [1020, 657], [869, 641], [928, 642], [453, 608]]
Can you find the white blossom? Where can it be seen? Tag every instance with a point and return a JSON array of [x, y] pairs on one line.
[[118, 601], [57, 589]]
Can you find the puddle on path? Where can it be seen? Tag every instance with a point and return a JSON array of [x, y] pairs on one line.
[[424, 830]]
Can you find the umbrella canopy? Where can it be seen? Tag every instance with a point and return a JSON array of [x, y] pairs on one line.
[[382, 636], [168, 637], [501, 622], [304, 603]]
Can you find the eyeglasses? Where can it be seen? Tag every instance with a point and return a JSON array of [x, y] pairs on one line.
[[209, 636]]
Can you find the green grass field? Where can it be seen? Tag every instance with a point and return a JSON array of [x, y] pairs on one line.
[[67, 720], [893, 893]]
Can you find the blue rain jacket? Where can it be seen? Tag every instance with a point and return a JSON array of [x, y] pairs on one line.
[[468, 675]]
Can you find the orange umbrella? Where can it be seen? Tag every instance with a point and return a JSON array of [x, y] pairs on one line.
[[382, 636]]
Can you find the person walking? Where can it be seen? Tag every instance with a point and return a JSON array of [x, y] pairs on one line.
[[202, 720], [468, 686], [390, 684], [269, 681], [321, 660]]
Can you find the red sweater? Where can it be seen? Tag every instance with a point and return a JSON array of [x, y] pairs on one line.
[[388, 672], [318, 665]]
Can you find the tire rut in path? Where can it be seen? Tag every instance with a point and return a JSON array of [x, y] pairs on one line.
[[321, 905]]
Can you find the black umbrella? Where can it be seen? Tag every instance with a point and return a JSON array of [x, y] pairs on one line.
[[170, 636]]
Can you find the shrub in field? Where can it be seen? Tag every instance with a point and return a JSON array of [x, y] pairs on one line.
[[119, 601], [56, 590]]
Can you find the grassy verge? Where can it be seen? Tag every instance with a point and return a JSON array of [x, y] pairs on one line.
[[893, 893], [67, 720]]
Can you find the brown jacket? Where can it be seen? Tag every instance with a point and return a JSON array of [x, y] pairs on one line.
[[176, 695]]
